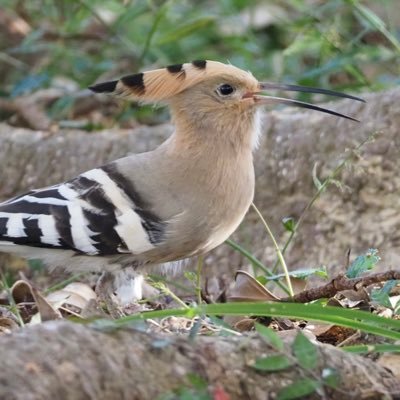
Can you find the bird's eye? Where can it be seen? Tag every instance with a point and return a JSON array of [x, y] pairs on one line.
[[225, 89]]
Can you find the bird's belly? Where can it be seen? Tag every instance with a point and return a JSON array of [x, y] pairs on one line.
[[221, 233]]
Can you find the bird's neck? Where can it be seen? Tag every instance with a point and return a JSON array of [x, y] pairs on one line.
[[210, 161], [219, 135]]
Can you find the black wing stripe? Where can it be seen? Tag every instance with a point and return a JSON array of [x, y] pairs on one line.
[[153, 225], [32, 230], [52, 193], [3, 227], [62, 218], [26, 207], [107, 240], [124, 184], [91, 192]]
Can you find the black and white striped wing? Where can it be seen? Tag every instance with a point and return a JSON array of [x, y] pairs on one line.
[[97, 213]]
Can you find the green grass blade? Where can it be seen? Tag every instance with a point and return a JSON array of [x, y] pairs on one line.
[[374, 348], [185, 30], [339, 316], [255, 262], [375, 22]]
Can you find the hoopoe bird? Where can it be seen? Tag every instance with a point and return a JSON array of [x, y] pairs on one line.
[[180, 200]]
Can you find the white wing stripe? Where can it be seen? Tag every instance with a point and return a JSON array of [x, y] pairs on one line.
[[15, 226], [129, 226], [45, 200], [67, 192], [79, 231], [47, 225], [22, 215]]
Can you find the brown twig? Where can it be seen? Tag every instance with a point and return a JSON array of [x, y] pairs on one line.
[[32, 107], [341, 283]]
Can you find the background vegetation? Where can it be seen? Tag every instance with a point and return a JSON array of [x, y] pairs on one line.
[[346, 44]]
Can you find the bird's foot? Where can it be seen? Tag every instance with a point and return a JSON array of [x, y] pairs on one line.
[[104, 291]]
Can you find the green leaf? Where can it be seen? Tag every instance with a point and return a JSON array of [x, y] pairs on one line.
[[185, 30], [397, 308], [108, 325], [300, 388], [305, 351], [306, 43], [30, 83], [197, 381], [331, 377], [317, 182], [375, 22], [190, 276], [300, 274], [262, 279], [370, 348], [381, 296], [288, 223], [270, 337], [321, 272], [36, 265], [277, 362], [363, 263]]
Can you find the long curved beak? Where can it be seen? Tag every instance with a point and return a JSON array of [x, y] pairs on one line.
[[295, 88]]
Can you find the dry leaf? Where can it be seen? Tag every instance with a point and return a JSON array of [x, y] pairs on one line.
[[23, 292], [335, 334], [6, 325], [75, 294], [298, 284], [356, 295], [319, 329], [46, 311], [240, 323], [293, 332], [247, 288]]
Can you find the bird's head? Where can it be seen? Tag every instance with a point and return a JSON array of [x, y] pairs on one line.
[[208, 95]]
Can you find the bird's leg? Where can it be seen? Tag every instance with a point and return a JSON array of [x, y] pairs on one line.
[[128, 286], [104, 290], [120, 291]]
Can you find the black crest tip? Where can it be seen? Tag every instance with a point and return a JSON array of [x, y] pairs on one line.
[[174, 69], [200, 64], [105, 87], [135, 82]]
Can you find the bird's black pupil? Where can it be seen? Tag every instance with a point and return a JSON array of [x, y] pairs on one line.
[[225, 89]]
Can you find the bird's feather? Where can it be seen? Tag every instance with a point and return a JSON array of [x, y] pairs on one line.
[[163, 83], [97, 213]]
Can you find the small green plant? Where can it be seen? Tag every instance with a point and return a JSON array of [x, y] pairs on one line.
[[360, 264], [381, 296], [197, 389], [13, 306], [363, 263]]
